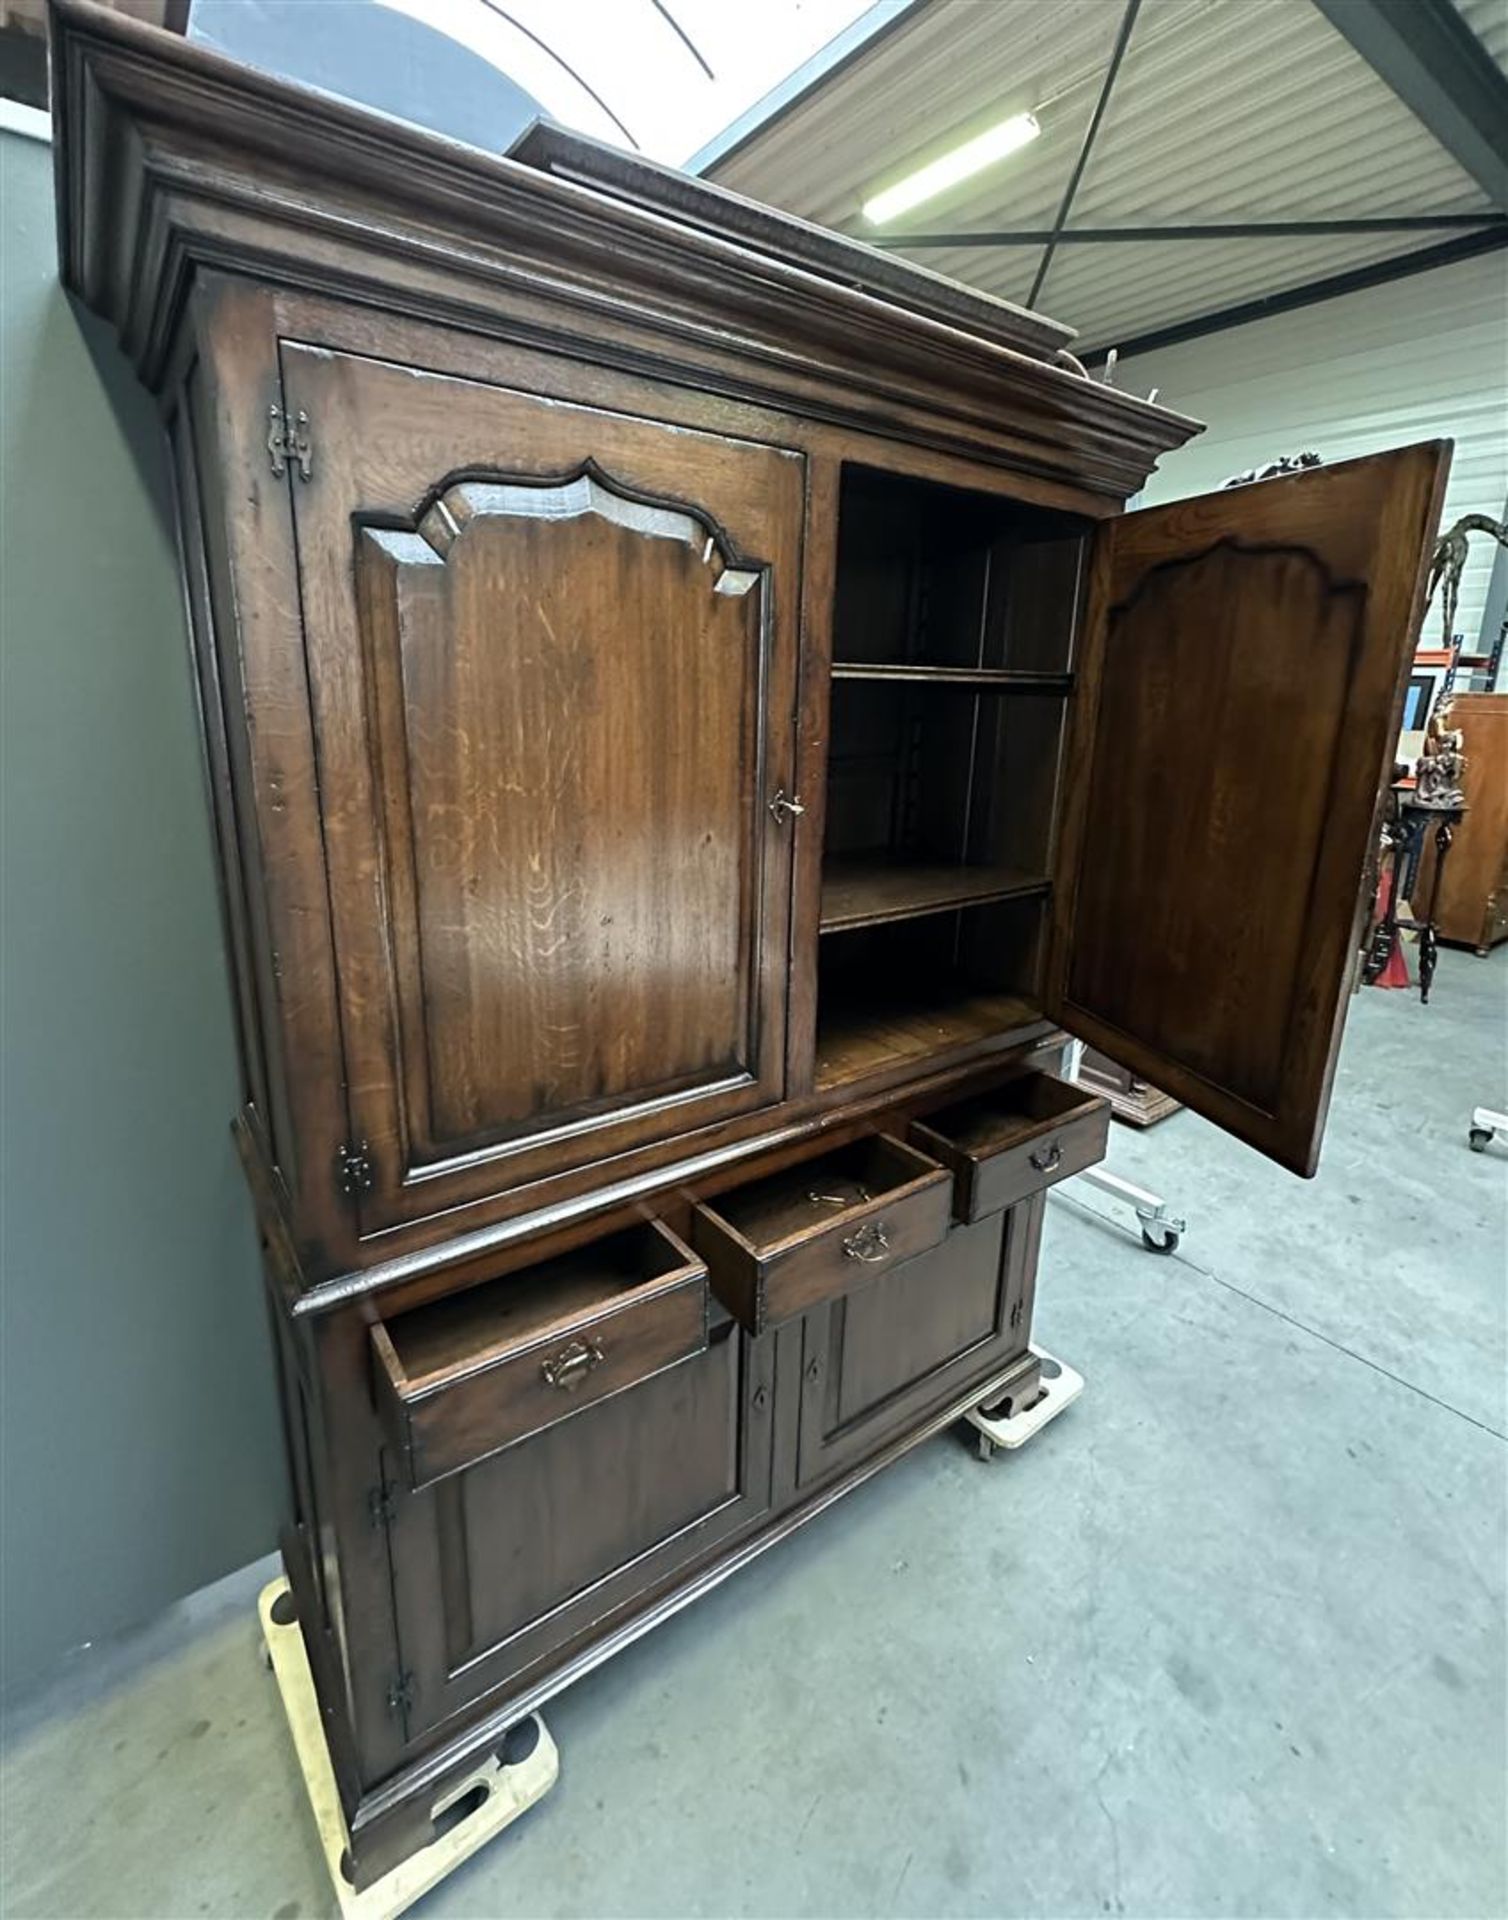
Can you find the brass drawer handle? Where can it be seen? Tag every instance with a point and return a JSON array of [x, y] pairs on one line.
[[870, 1244], [1044, 1159], [572, 1364]]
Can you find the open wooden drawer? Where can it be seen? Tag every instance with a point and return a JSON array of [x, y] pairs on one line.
[[780, 1245], [1003, 1145], [463, 1377]]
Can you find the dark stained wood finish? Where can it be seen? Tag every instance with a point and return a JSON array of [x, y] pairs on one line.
[[863, 893], [644, 183], [1131, 1099], [891, 1030], [919, 989], [986, 679], [468, 1375], [560, 897], [499, 1566], [1472, 909], [876, 1360], [778, 1245], [624, 509], [1243, 676], [251, 676], [1004, 1146]]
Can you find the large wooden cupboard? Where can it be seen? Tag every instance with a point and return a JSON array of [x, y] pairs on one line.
[[689, 728], [1472, 908]]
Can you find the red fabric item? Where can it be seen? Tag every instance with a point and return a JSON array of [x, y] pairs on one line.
[[1396, 972]]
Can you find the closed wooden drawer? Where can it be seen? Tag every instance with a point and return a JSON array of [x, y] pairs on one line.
[[461, 1378], [1004, 1145], [780, 1245]]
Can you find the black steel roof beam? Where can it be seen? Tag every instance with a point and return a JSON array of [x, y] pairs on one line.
[[1117, 54], [1441, 72], [1466, 246], [1220, 230]]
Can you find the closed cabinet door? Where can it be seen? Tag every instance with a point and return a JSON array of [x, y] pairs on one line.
[[505, 1568], [916, 1339], [1241, 687], [551, 656]]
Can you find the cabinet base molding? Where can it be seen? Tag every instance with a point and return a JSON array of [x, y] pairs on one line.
[[391, 1821], [464, 1817]]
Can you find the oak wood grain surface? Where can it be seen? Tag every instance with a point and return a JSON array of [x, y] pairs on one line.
[[776, 1246], [1473, 904], [1004, 1146], [864, 892], [526, 509], [550, 713], [1243, 678]]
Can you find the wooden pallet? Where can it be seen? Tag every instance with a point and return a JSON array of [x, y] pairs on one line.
[[506, 1791]]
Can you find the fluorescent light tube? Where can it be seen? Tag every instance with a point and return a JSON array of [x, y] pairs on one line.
[[1009, 136]]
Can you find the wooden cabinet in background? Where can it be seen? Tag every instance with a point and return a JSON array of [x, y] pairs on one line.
[[1472, 909], [1130, 1098], [690, 729]]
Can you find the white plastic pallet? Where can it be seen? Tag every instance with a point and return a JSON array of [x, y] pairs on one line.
[[509, 1790], [1061, 1386]]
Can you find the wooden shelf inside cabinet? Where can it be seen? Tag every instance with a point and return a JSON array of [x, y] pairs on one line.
[[869, 893], [856, 1038], [971, 679]]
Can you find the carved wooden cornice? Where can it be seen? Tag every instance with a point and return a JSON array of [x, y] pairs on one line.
[[172, 158]]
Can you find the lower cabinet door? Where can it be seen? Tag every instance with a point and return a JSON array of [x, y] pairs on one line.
[[500, 1568], [883, 1357]]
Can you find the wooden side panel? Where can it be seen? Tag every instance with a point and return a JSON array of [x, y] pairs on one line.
[[216, 708], [250, 610], [1243, 672]]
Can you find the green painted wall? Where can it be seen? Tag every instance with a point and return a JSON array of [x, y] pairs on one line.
[[139, 1451]]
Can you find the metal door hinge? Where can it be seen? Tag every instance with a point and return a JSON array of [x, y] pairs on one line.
[[1016, 1308], [382, 1505], [289, 440], [400, 1694], [355, 1170]]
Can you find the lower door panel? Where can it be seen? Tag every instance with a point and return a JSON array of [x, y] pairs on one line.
[[881, 1358], [500, 1567]]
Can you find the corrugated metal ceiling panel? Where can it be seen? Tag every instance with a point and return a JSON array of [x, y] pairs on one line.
[[1419, 360], [1114, 294], [1258, 110], [954, 65], [1224, 110]]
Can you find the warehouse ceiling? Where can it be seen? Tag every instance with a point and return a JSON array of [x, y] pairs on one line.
[[1199, 162], [1329, 143]]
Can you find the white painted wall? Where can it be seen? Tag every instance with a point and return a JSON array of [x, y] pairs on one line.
[[1421, 359]]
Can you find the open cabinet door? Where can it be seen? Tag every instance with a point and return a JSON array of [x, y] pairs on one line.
[[1240, 691]]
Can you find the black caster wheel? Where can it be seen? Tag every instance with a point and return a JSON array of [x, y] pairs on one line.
[[1480, 1137], [1160, 1239]]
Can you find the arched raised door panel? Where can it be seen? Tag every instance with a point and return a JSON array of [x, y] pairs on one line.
[[1242, 679], [551, 656]]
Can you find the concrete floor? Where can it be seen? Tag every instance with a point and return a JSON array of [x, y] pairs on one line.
[[1227, 1640]]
